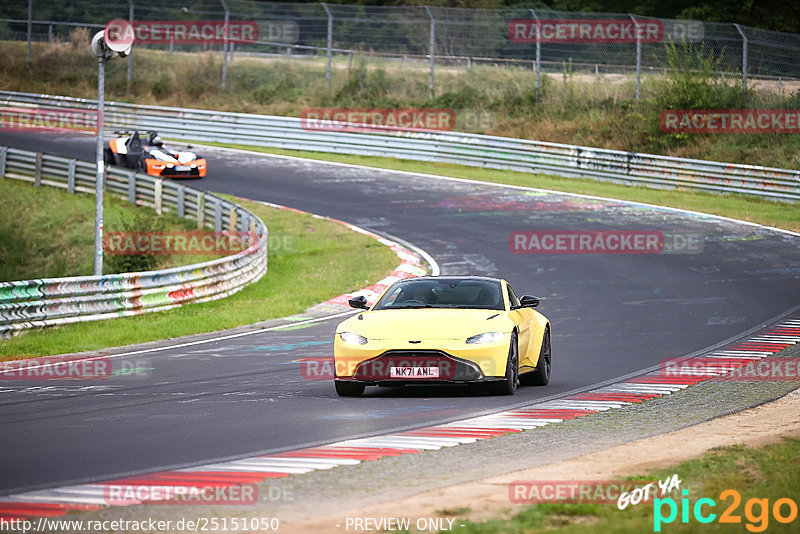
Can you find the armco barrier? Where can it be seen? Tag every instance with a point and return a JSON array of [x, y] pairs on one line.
[[55, 301], [450, 147]]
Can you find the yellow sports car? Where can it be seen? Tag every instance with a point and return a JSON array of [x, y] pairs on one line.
[[443, 330]]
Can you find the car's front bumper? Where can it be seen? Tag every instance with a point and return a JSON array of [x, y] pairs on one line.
[[454, 361], [194, 169]]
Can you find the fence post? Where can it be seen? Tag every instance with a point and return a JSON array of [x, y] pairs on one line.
[[538, 53], [49, 33], [37, 172], [180, 209], [30, 30], [232, 218], [638, 56], [225, 45], [330, 41], [3, 155], [157, 190], [744, 63], [201, 210], [432, 46], [130, 56], [217, 215], [71, 175], [132, 188]]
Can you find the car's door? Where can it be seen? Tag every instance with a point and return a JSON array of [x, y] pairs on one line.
[[523, 317]]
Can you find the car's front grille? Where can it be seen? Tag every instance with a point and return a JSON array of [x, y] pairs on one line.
[[172, 172], [421, 362]]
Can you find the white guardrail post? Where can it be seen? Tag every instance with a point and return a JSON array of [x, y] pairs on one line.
[[57, 301]]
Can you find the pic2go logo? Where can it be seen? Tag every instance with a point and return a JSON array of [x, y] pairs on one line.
[[756, 511]]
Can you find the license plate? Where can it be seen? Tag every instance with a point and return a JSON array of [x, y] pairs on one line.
[[183, 168], [414, 372]]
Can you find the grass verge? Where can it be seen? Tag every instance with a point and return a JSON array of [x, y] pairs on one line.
[[320, 259], [743, 207], [761, 476], [38, 241]]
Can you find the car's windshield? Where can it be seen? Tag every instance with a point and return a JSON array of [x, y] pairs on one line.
[[443, 293]]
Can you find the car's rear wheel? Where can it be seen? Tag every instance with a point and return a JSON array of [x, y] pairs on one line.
[[541, 375], [108, 156], [349, 389], [509, 385]]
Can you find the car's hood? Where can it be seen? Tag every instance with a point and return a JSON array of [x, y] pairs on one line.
[[426, 323]]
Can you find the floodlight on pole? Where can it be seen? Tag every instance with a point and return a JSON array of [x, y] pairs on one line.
[[113, 41]]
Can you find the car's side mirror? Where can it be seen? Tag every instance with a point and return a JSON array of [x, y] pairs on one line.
[[359, 302], [529, 301]]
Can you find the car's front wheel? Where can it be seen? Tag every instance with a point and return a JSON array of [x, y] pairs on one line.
[[509, 385], [541, 375], [349, 389]]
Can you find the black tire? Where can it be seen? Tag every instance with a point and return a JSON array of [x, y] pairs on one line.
[[541, 375], [349, 389], [108, 156], [509, 385]]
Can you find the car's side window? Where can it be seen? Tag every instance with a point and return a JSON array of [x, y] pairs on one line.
[[512, 298]]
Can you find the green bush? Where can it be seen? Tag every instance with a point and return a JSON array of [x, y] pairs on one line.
[[134, 221], [693, 80], [365, 89]]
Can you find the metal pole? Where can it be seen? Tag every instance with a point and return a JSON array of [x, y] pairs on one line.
[[638, 56], [432, 45], [330, 40], [225, 45], [30, 30], [744, 63], [130, 57], [98, 199], [538, 53]]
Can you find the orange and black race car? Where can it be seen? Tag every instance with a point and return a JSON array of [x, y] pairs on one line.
[[153, 157]]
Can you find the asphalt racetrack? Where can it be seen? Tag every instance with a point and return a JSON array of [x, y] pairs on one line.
[[611, 314]]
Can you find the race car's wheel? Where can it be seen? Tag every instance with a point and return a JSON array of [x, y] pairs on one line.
[[349, 389], [509, 385], [541, 375], [108, 156]]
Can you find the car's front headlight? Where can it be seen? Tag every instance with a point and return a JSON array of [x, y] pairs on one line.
[[488, 337], [355, 339]]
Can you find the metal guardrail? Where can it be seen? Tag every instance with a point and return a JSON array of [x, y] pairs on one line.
[[630, 168], [57, 301]]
